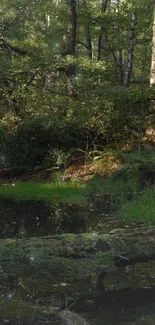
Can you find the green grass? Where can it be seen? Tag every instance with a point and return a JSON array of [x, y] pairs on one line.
[[57, 192], [113, 185], [71, 192], [140, 209], [118, 195]]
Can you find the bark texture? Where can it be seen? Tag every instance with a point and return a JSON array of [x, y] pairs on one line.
[[71, 45], [152, 74], [101, 39], [88, 35], [130, 51]]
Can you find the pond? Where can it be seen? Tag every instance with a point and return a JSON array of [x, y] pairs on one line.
[[38, 218], [27, 301]]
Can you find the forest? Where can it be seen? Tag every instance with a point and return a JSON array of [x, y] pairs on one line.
[[77, 102], [77, 162], [74, 75]]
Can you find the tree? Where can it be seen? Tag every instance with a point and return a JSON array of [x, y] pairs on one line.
[[152, 74], [130, 51], [104, 4], [88, 35]]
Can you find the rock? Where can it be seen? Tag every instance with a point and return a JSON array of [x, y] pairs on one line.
[[71, 318]]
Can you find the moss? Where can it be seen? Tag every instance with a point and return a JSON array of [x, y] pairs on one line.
[[55, 255], [11, 242], [17, 312], [67, 238], [14, 308], [69, 259]]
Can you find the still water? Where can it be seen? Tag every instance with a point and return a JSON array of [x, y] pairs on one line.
[[37, 218]]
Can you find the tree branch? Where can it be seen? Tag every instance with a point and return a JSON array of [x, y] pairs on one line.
[[83, 44], [14, 49]]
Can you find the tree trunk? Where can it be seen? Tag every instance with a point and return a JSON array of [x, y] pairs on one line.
[[71, 47], [88, 41], [131, 51], [72, 25], [152, 73], [120, 69], [88, 36], [101, 36]]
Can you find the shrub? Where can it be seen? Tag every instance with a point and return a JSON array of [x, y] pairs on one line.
[[140, 164]]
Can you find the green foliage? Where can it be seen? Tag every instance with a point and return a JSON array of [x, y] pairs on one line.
[[141, 209], [26, 145], [43, 141], [112, 185], [108, 194], [39, 115], [140, 164], [118, 192]]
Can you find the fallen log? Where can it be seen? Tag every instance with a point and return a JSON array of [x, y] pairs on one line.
[[78, 261]]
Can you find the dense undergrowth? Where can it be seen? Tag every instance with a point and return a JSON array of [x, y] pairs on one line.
[[112, 119]]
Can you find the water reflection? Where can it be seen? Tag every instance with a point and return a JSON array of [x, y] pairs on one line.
[[33, 218], [37, 218]]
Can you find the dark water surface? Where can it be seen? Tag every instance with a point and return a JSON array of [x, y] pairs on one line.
[[38, 218], [125, 306]]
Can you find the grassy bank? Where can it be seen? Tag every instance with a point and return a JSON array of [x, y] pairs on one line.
[[119, 198], [128, 193], [56, 192], [97, 187], [141, 209]]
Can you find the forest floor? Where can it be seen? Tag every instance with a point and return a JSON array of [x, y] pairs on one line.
[[79, 170]]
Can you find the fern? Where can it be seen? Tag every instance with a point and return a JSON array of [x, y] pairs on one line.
[[138, 161]]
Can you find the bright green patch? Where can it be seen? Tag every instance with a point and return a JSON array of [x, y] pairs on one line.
[[68, 238], [140, 209], [55, 192]]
